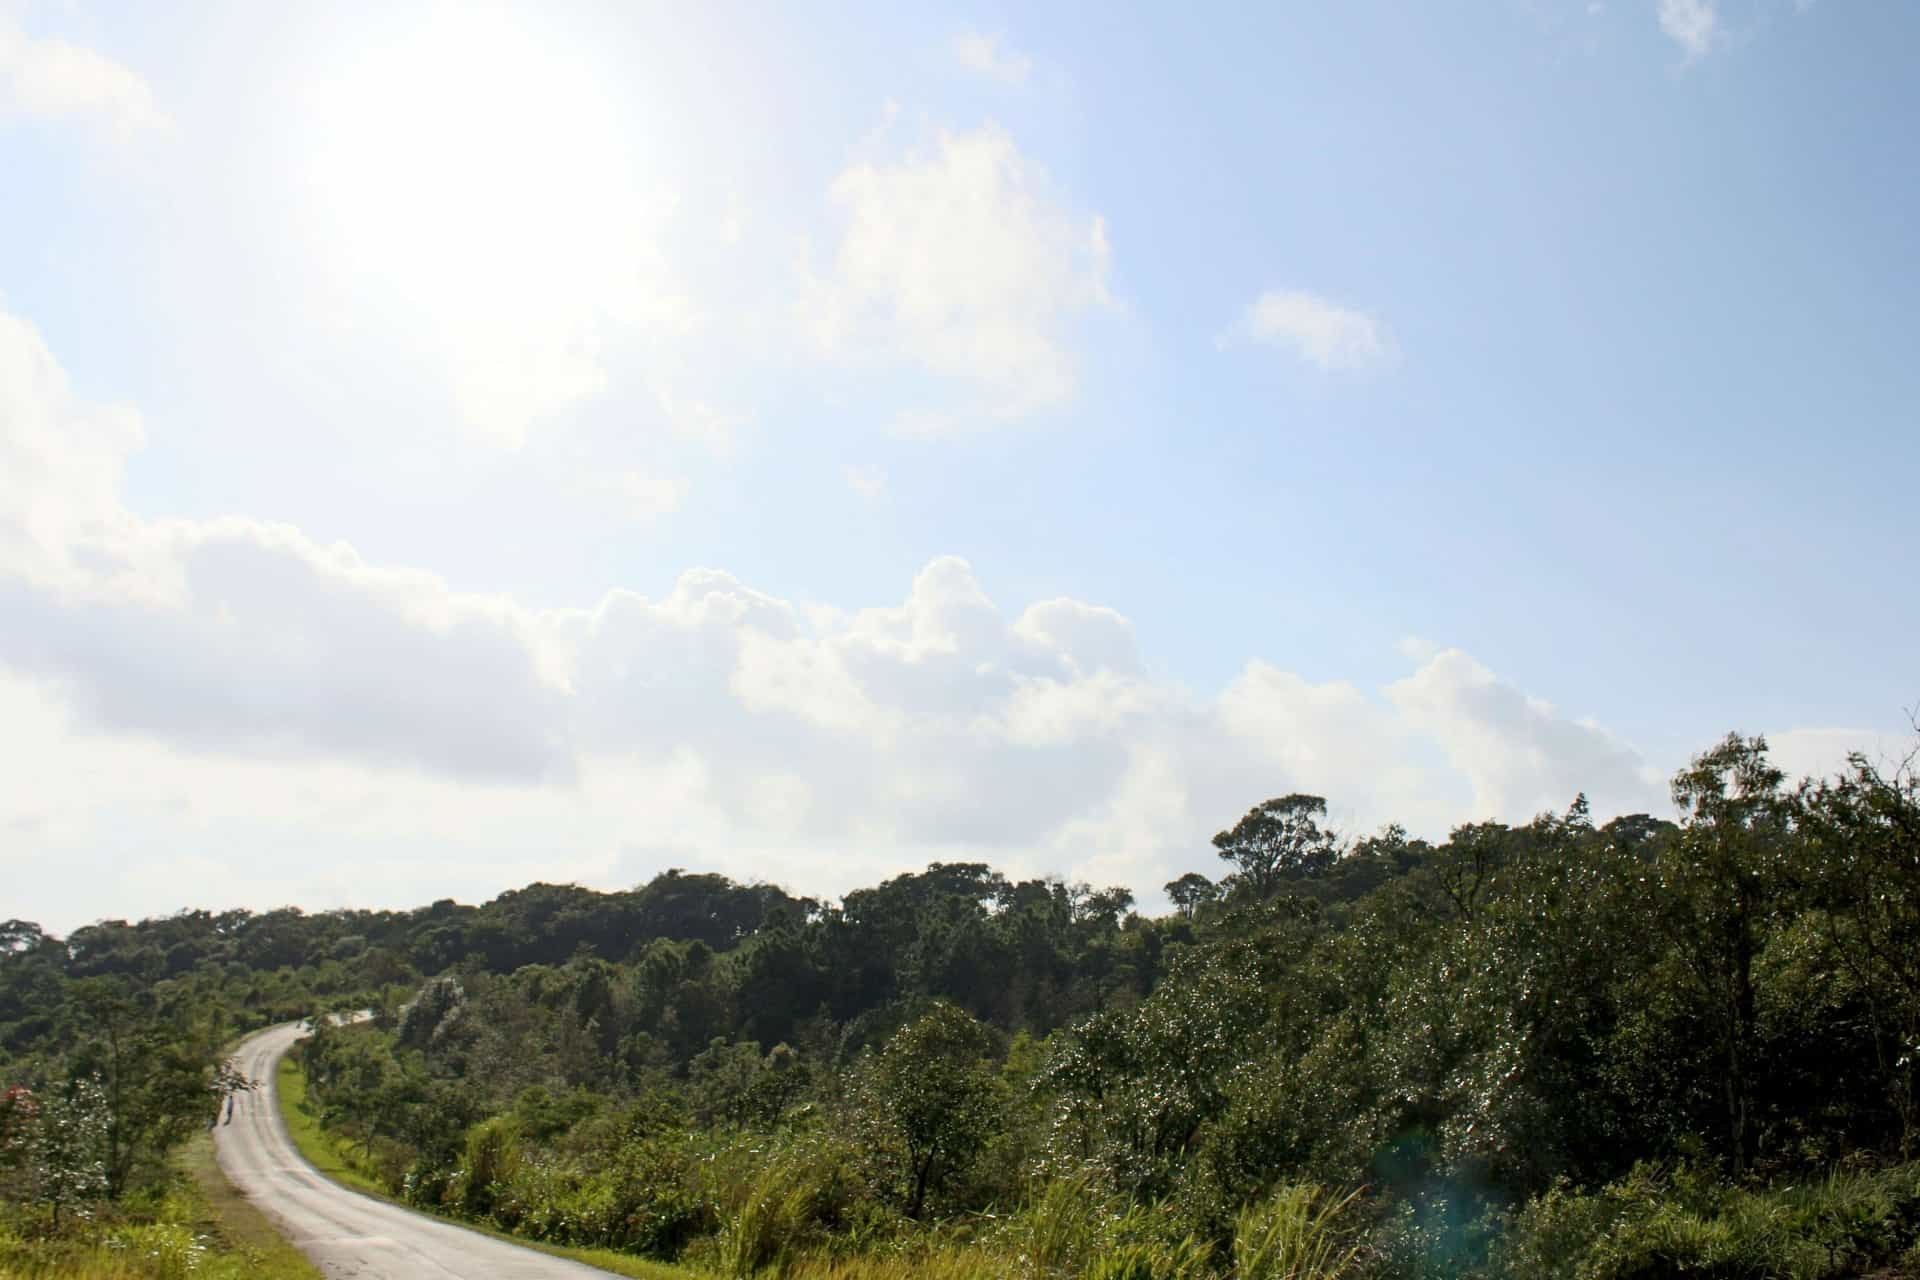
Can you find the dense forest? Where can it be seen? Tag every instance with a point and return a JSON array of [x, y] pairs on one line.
[[1638, 1048]]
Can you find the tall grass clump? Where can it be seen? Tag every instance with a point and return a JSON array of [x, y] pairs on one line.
[[492, 1158], [774, 1206], [1299, 1233], [1074, 1227], [934, 1263], [1059, 1231], [1185, 1259], [770, 1222]]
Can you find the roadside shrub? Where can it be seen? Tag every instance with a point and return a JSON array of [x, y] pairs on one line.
[[639, 1198], [492, 1156], [426, 1183], [1660, 1222]]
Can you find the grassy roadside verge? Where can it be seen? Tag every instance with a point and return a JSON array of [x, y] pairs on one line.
[[321, 1150], [230, 1218], [198, 1226], [336, 1160]]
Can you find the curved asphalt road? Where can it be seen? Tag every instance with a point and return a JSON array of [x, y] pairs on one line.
[[344, 1232]]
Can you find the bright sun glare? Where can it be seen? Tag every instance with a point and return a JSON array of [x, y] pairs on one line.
[[478, 173]]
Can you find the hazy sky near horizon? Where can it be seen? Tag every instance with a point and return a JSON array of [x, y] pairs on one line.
[[447, 446]]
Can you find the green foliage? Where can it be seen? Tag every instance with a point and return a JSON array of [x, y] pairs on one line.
[[1192, 893], [156, 1084], [68, 1147], [1299, 1233], [937, 1099], [1720, 888], [1546, 1049], [773, 1215], [432, 1017], [1862, 869], [1062, 1228], [167, 1233], [120, 1251], [1686, 1221], [1072, 1226], [1276, 842], [492, 1158], [1151, 1260]]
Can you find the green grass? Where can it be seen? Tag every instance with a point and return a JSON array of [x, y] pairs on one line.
[[934, 1264], [330, 1155], [1298, 1234], [229, 1217], [198, 1228], [337, 1159]]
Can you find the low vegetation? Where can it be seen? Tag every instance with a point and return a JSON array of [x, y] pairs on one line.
[[1565, 1049], [190, 1225]]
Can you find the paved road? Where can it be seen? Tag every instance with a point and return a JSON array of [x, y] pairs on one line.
[[344, 1232]]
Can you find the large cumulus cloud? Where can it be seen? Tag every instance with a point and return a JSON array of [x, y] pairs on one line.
[[231, 686], [239, 635]]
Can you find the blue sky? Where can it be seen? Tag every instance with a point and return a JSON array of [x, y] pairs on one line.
[[443, 446]]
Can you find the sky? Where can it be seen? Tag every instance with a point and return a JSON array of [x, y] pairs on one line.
[[444, 447]]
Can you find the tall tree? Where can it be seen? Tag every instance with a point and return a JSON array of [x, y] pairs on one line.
[[156, 1086], [1191, 892], [1863, 835], [1278, 841], [1721, 884]]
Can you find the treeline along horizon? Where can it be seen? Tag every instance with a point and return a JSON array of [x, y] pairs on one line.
[[1642, 1047]]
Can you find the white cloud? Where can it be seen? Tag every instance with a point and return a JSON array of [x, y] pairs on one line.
[[215, 711], [50, 79], [239, 635], [985, 54], [1087, 638], [1321, 332], [277, 646], [1331, 739], [962, 261], [1822, 753], [867, 479], [1692, 24], [60, 460], [1521, 756]]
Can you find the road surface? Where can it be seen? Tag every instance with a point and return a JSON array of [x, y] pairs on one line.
[[344, 1232]]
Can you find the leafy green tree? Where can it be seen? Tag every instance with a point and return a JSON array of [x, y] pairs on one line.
[[938, 1096], [1137, 1086], [1464, 866], [432, 1012], [31, 984], [1191, 892], [1862, 831], [1278, 841], [156, 1086], [69, 1149], [1721, 885]]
